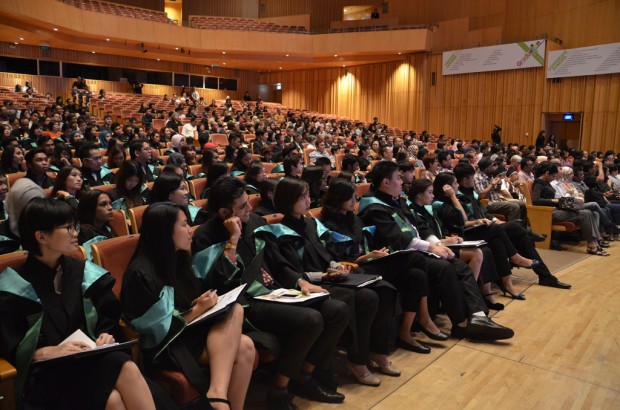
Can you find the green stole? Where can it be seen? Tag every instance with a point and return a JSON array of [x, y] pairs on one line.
[[12, 283]]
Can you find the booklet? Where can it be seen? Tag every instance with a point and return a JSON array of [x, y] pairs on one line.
[[79, 336], [223, 303], [292, 296], [467, 244]]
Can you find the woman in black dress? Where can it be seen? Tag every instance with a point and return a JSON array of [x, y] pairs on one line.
[[46, 300], [161, 294]]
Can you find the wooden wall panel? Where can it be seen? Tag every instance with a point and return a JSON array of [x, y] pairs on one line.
[[467, 106], [145, 4], [392, 91], [225, 8]]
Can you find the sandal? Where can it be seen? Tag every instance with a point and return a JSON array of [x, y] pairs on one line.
[[216, 400], [597, 250]]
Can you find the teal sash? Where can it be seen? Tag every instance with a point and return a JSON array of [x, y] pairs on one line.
[[11, 282], [193, 211]]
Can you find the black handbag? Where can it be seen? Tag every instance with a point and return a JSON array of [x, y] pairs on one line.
[[567, 203]]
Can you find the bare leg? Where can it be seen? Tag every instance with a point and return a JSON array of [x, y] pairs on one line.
[[241, 373], [473, 257], [487, 292], [132, 389], [507, 281], [220, 353], [115, 402]]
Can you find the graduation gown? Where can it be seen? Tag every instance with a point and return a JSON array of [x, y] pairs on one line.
[[33, 315]]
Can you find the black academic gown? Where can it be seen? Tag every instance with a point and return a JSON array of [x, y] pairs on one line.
[[303, 333], [290, 255], [452, 281], [79, 384]]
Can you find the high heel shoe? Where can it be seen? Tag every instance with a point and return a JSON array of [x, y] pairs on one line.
[[494, 306], [441, 336], [367, 379], [520, 296], [535, 263], [503, 289]]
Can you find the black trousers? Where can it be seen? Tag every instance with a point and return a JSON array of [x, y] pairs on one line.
[[524, 245], [498, 240], [306, 333], [407, 273], [453, 283], [364, 304]]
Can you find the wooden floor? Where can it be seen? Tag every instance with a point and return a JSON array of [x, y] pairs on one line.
[[565, 353]]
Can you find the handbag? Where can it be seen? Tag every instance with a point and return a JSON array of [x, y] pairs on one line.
[[567, 203]]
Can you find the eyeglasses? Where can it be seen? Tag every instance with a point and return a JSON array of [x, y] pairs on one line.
[[71, 228]]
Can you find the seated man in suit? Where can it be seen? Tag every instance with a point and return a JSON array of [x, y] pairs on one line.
[[92, 171]]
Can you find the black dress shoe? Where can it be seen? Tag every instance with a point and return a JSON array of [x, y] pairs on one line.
[[557, 246], [279, 399], [537, 237], [413, 348], [312, 390], [326, 378], [441, 336], [483, 328], [552, 282]]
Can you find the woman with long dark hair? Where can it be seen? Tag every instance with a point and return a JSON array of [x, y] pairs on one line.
[[400, 271], [253, 177], [46, 300], [94, 214], [171, 187], [130, 190], [161, 294], [243, 160], [68, 186], [12, 159]]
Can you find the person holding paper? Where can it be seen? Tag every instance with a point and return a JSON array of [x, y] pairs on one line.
[[161, 294], [294, 247], [46, 300], [480, 260], [450, 279], [404, 271], [307, 334]]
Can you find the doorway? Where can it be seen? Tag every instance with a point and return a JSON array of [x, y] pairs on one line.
[[566, 127]]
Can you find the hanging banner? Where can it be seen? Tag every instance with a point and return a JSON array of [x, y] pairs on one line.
[[525, 54], [594, 60]]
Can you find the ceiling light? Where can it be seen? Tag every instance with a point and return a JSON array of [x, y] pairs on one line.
[[16, 43], [280, 68], [21, 38], [399, 53], [55, 29], [158, 59], [93, 52], [287, 55], [335, 55], [223, 52], [176, 48], [343, 66], [107, 39], [224, 63]]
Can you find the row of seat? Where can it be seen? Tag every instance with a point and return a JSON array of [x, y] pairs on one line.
[[232, 23], [119, 10]]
